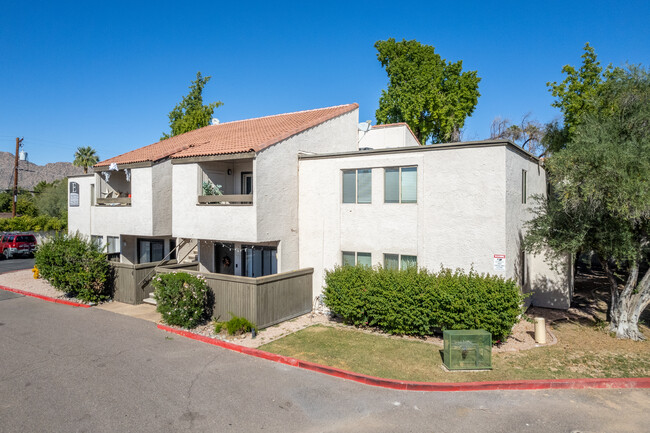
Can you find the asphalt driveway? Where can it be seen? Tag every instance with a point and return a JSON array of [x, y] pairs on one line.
[[15, 264], [66, 369]]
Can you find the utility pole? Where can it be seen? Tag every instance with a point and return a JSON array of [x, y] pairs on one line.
[[19, 142]]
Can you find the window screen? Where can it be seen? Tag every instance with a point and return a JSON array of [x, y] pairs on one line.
[[364, 259], [364, 186], [391, 185], [408, 262], [112, 244], [348, 258], [349, 186], [409, 184], [391, 261]]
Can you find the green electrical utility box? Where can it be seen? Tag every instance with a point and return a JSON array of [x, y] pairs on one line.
[[469, 349]]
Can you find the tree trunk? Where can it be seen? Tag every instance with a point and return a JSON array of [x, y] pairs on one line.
[[627, 305]]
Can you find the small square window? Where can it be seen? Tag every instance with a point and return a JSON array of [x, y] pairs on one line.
[[408, 262], [391, 261], [348, 258], [364, 259]]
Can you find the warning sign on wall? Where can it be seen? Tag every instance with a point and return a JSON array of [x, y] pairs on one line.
[[499, 262]]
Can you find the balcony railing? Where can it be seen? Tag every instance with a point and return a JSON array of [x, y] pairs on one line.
[[230, 199], [114, 201]]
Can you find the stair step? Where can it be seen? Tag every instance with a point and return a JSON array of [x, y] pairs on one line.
[[150, 301]]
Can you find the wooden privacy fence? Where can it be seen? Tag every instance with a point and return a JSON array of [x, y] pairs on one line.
[[264, 301], [132, 283]]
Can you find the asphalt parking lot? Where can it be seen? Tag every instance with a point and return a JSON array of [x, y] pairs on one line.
[[15, 264]]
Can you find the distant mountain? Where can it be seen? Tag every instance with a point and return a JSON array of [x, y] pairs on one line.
[[30, 174]]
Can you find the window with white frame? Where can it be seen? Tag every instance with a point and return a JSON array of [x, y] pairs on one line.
[[400, 261], [97, 240], [357, 186], [112, 244], [523, 186], [400, 184], [351, 258]]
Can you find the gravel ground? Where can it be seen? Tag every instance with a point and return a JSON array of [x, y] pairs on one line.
[[24, 280], [522, 337]]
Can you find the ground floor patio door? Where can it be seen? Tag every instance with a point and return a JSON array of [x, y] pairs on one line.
[[258, 261], [224, 259]]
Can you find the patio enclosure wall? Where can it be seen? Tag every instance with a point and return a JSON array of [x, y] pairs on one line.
[[133, 282], [264, 301]]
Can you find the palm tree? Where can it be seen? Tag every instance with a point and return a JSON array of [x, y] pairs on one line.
[[85, 157]]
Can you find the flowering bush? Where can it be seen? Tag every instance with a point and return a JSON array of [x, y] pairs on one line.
[[183, 299]]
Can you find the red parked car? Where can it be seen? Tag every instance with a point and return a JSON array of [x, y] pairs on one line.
[[17, 244]]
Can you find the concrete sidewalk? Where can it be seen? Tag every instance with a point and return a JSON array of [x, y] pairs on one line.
[[142, 311]]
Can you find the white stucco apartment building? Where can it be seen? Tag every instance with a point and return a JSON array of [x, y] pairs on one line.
[[316, 189]]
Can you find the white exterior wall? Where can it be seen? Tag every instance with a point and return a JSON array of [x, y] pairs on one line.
[[204, 221], [550, 285], [459, 220], [162, 199], [275, 182], [149, 197], [136, 219], [387, 137], [80, 217]]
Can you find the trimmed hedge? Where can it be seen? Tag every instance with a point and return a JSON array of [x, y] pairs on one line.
[[183, 299], [75, 266], [418, 302]]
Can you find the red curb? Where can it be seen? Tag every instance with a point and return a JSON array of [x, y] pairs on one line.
[[45, 298], [636, 382]]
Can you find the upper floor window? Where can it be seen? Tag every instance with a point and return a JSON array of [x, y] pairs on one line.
[[400, 184], [357, 186], [523, 186]]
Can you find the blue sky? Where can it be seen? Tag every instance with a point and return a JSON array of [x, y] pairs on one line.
[[106, 74]]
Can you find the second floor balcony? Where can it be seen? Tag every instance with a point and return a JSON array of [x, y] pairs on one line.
[[226, 183], [114, 188]]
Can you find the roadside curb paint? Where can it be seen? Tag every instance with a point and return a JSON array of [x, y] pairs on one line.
[[45, 298], [616, 383]]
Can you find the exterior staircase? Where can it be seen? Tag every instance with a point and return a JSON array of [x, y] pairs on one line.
[[191, 257]]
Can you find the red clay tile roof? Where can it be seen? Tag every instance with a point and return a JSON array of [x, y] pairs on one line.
[[232, 137], [388, 125]]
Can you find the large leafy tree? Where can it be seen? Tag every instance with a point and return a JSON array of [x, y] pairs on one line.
[[433, 96], [191, 113], [85, 157], [600, 197], [52, 198], [575, 97]]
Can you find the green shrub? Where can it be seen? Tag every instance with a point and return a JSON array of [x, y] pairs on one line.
[[218, 326], [238, 325], [75, 266], [183, 299], [417, 302], [30, 223]]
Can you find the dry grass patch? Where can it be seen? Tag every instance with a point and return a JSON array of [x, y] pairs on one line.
[[582, 351]]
